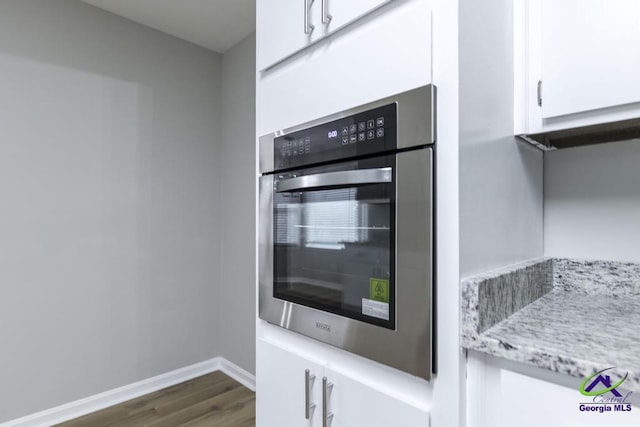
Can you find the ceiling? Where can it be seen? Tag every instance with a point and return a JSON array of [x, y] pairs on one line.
[[214, 24]]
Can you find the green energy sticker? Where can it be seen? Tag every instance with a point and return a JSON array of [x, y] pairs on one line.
[[379, 289]]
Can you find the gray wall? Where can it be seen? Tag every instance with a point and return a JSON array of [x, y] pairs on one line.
[[238, 281], [109, 185], [592, 202], [500, 179]]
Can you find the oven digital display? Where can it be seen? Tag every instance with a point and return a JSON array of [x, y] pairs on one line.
[[369, 132]]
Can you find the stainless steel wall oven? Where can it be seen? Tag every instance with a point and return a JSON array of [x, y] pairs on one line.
[[346, 230]]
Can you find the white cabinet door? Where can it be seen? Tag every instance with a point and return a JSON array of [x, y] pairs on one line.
[[581, 57], [280, 395], [341, 74], [280, 24], [280, 29], [280, 388], [500, 397], [530, 402], [353, 403], [344, 12], [590, 55]]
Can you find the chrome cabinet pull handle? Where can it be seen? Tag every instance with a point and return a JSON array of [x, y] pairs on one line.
[[308, 406], [326, 415], [326, 16], [308, 28]]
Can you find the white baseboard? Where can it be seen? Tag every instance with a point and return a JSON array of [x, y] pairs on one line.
[[245, 378], [81, 407]]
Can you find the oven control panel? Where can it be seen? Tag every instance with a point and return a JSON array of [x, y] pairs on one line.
[[369, 132]]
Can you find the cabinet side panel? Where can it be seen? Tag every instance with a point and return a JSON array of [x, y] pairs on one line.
[[500, 180]]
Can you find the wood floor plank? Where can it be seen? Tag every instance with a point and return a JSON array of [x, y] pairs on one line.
[[223, 403], [117, 413], [164, 405], [210, 400], [242, 412], [180, 402]]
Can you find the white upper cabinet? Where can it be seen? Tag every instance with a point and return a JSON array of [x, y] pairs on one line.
[[338, 13], [285, 27], [577, 63], [358, 65], [591, 55]]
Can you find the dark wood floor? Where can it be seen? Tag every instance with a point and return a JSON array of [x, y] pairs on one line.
[[210, 400]]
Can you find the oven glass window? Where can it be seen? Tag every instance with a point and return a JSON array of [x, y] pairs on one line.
[[334, 246]]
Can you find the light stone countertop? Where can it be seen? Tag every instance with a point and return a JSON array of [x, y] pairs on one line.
[[568, 316]]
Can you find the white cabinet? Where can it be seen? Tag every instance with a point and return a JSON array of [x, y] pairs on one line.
[[282, 389], [356, 404], [497, 396], [285, 27], [387, 52], [342, 12], [523, 400], [280, 26], [577, 63], [378, 57]]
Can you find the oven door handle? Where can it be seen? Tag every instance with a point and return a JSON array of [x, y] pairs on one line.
[[335, 179]]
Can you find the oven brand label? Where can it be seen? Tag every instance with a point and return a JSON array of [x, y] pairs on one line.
[[323, 326], [379, 289], [376, 309]]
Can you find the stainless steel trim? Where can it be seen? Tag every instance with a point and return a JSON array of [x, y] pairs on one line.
[[326, 16], [342, 178], [414, 276], [416, 122], [308, 28], [308, 406], [326, 414], [536, 144]]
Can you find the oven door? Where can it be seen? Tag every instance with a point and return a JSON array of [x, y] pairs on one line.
[[333, 239], [345, 256]]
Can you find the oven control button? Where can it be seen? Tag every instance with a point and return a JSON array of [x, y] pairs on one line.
[[380, 121], [345, 131], [307, 149], [380, 132], [362, 136], [362, 126], [353, 128], [370, 124], [371, 134], [345, 140], [353, 138]]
